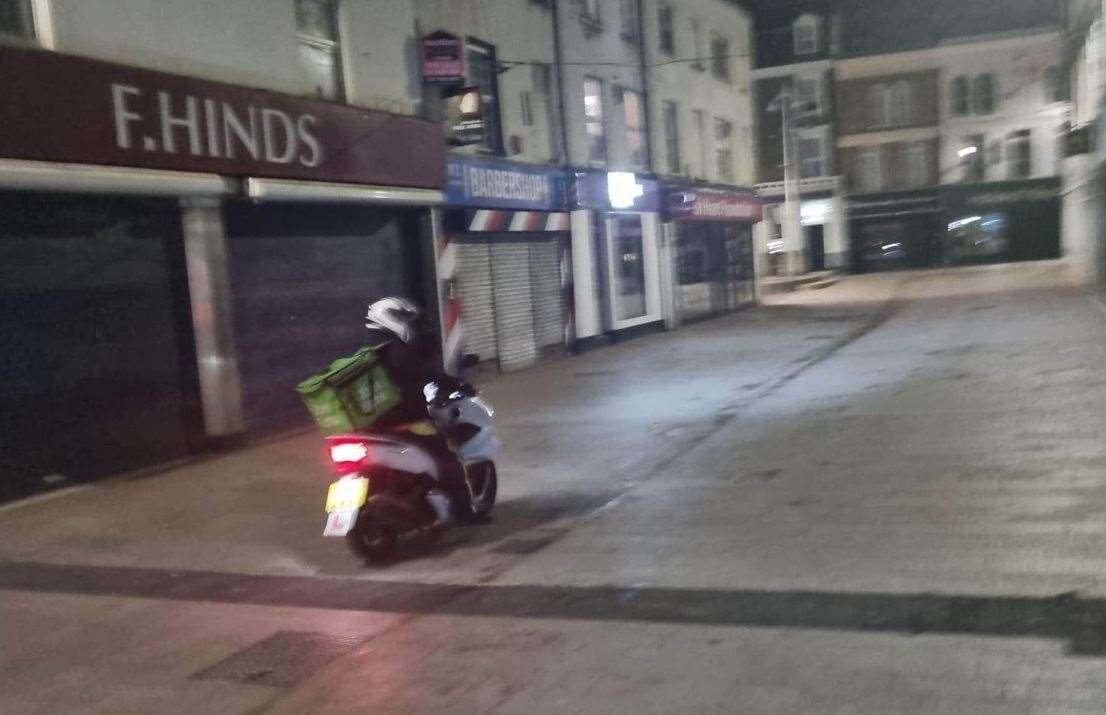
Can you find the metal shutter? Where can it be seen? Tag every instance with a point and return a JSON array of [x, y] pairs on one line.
[[514, 320], [545, 276], [474, 286]]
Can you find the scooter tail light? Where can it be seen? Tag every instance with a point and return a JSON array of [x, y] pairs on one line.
[[346, 453]]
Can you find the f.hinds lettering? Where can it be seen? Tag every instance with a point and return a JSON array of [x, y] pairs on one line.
[[217, 129]]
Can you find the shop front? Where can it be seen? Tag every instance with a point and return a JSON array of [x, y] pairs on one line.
[[621, 285], [711, 234], [183, 255], [1001, 221], [894, 231], [508, 261]]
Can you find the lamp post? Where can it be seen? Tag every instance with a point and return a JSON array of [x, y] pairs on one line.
[[791, 227]]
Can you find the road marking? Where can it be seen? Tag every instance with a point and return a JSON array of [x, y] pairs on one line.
[[40, 498], [1067, 617]]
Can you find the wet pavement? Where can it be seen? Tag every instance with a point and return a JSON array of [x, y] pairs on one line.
[[887, 496]]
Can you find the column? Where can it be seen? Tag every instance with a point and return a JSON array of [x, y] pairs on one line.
[[205, 253]]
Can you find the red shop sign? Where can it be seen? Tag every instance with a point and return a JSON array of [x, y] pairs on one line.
[[71, 109], [443, 58], [708, 204]]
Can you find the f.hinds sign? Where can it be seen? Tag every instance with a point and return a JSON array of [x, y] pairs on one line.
[[62, 108]]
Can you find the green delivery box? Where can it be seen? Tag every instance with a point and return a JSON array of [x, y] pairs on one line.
[[350, 395]]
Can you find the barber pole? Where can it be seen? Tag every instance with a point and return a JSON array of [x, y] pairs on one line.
[[453, 338]]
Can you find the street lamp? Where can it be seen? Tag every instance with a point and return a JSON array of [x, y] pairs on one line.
[[795, 258]]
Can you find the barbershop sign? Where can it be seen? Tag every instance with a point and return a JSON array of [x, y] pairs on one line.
[[63, 108], [492, 183]]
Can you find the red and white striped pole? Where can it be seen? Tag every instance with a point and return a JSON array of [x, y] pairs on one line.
[[449, 303]]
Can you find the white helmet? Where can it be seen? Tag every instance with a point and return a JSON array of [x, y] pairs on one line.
[[396, 315]]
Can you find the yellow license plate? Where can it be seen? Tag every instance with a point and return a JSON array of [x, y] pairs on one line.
[[347, 494]]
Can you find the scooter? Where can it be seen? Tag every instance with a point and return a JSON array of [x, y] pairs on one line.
[[382, 497]]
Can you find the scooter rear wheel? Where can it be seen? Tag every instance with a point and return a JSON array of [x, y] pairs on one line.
[[374, 542]]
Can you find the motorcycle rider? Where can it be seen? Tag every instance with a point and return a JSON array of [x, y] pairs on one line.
[[406, 350]]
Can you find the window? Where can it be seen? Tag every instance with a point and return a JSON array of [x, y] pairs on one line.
[[916, 164], [806, 96], [720, 58], [972, 166], [665, 37], [810, 157], [634, 112], [869, 170], [1055, 89], [700, 120], [630, 20], [320, 51], [482, 69], [526, 105], [901, 109], [723, 149], [891, 105], [805, 32], [672, 138], [1019, 155], [692, 267], [960, 97], [589, 12], [16, 19], [697, 40], [877, 106], [593, 120], [983, 94]]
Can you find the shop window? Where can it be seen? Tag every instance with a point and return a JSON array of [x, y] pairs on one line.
[[320, 49], [723, 149], [629, 265], [630, 21], [693, 264], [960, 96], [666, 38], [971, 153], [16, 20], [805, 33], [483, 72], [975, 237], [983, 94], [720, 58], [810, 157], [672, 138], [1019, 155], [594, 125]]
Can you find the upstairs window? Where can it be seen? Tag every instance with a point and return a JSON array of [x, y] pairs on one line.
[[482, 69], [1019, 155], [810, 157], [806, 96], [720, 58], [805, 33], [960, 96], [723, 148], [901, 110], [983, 94], [665, 36], [916, 164], [593, 120], [630, 20], [634, 113], [320, 49], [972, 166], [672, 137], [16, 20], [696, 28]]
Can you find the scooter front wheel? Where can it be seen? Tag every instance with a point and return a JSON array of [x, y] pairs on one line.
[[374, 542], [483, 483]]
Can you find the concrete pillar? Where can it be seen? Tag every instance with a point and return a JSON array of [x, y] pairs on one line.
[[794, 241], [585, 276], [837, 235], [669, 253], [205, 253]]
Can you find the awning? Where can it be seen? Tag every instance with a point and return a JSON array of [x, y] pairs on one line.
[[24, 175], [324, 192]]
